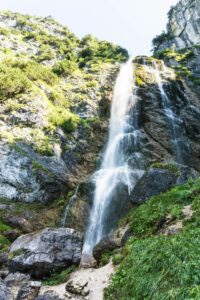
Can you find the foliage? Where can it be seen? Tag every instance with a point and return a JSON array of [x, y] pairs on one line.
[[12, 81], [35, 71], [95, 50], [59, 116], [159, 39], [157, 266], [65, 68], [170, 166]]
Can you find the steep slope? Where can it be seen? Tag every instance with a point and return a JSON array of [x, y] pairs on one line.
[[55, 93]]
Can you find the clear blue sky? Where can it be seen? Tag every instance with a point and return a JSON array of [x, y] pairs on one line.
[[130, 23]]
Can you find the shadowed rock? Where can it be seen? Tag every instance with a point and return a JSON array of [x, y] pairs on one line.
[[41, 253]]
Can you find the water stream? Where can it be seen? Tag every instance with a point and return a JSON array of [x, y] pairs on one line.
[[114, 170], [175, 123]]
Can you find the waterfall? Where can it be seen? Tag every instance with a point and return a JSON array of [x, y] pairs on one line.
[[115, 170], [174, 121]]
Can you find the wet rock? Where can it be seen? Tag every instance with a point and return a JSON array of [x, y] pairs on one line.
[[29, 290], [186, 174], [153, 182], [5, 293], [79, 207], [111, 242], [19, 222], [41, 253]]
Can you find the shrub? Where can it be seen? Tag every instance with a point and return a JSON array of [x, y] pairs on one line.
[[12, 82], [36, 71], [63, 118], [65, 68]]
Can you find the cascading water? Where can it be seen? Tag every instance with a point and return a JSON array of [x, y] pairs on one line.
[[123, 134], [175, 123]]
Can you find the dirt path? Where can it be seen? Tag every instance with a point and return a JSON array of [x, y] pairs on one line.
[[85, 284]]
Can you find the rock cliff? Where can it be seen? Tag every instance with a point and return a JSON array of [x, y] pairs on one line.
[[182, 28]]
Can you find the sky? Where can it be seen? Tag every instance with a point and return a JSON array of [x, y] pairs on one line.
[[130, 23]]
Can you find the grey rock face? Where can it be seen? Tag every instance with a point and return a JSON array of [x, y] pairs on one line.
[[154, 182], [184, 25], [46, 251], [5, 293], [21, 180], [29, 290], [16, 279], [112, 241]]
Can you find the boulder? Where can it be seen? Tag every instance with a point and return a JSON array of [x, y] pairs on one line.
[[16, 279], [111, 242], [153, 182], [5, 293], [77, 288], [19, 222], [41, 253], [29, 290]]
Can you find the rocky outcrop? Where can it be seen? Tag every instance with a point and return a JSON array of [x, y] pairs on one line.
[[51, 108], [44, 252], [111, 242], [183, 28], [153, 182]]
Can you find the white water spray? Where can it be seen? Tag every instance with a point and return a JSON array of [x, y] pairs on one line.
[[114, 169]]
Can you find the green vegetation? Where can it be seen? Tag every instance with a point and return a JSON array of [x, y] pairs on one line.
[[159, 39], [179, 60], [65, 68], [180, 55], [156, 266], [12, 81], [170, 166], [58, 278], [37, 166], [100, 51]]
